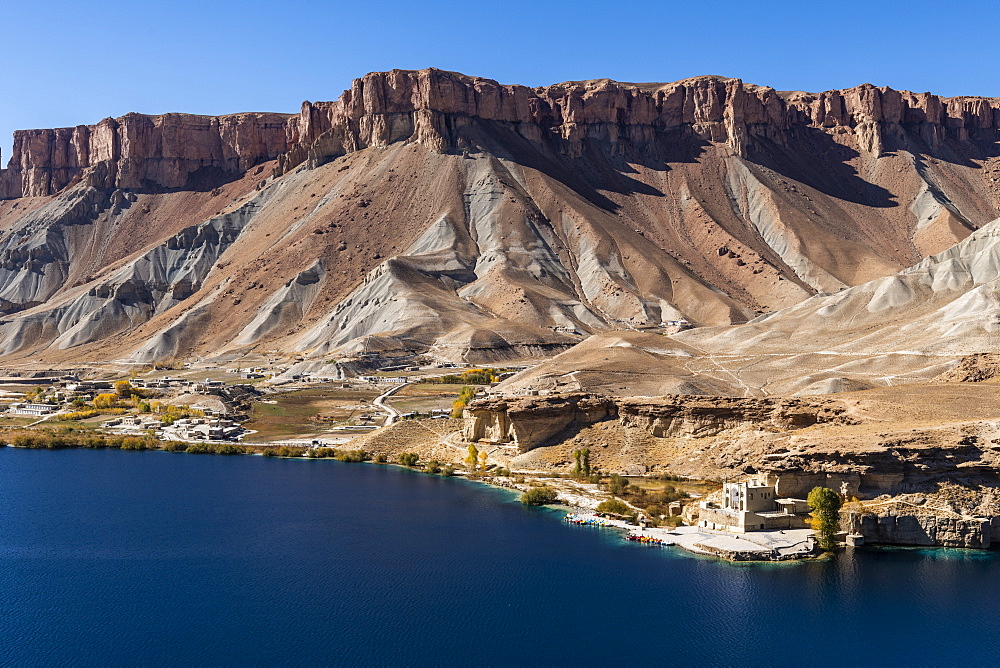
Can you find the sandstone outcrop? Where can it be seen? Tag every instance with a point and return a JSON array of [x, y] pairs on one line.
[[431, 106], [927, 530], [973, 369], [142, 152], [531, 422]]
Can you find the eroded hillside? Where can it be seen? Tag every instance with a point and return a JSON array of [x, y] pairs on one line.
[[438, 213]]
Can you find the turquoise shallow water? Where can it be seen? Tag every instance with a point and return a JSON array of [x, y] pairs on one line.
[[112, 558]]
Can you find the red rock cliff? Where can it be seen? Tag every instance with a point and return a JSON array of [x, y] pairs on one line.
[[432, 106], [144, 151]]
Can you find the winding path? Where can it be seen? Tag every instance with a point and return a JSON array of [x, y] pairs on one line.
[[380, 402]]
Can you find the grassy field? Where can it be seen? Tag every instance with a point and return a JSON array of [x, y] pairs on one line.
[[424, 397], [306, 413], [693, 487], [12, 421], [89, 423]]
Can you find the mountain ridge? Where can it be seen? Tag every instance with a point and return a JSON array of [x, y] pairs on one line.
[[430, 212], [246, 138]]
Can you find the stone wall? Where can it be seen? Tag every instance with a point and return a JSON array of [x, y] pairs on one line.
[[929, 530]]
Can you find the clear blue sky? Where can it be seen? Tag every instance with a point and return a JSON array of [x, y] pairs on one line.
[[70, 63]]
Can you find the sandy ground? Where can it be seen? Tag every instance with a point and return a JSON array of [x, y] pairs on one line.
[[764, 545]]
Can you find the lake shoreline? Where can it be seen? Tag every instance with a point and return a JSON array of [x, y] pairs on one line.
[[715, 544]]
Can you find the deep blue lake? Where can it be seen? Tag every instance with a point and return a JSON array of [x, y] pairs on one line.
[[112, 558]]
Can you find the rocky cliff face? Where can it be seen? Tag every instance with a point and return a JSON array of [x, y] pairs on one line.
[[431, 106], [928, 530], [437, 213], [532, 422], [145, 152]]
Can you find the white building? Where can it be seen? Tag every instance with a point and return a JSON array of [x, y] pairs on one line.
[[751, 505], [30, 409]]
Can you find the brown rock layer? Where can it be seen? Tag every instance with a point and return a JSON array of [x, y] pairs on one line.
[[430, 106], [144, 152], [534, 421]]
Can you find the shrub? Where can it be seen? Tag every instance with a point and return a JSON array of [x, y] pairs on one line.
[[81, 415], [408, 458], [133, 444], [539, 496], [448, 470], [617, 485], [285, 451], [472, 377], [433, 466], [380, 458], [174, 446], [353, 456], [25, 441], [616, 506]]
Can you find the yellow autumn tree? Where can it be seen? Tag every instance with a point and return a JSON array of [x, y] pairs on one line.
[[106, 400]]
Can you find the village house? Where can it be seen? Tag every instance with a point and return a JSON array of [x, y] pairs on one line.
[[203, 429], [35, 410], [751, 505], [391, 380], [136, 422]]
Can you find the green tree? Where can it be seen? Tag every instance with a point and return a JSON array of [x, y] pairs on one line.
[[577, 466], [616, 506], [825, 504], [617, 484], [409, 458], [539, 496], [473, 459], [586, 461]]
